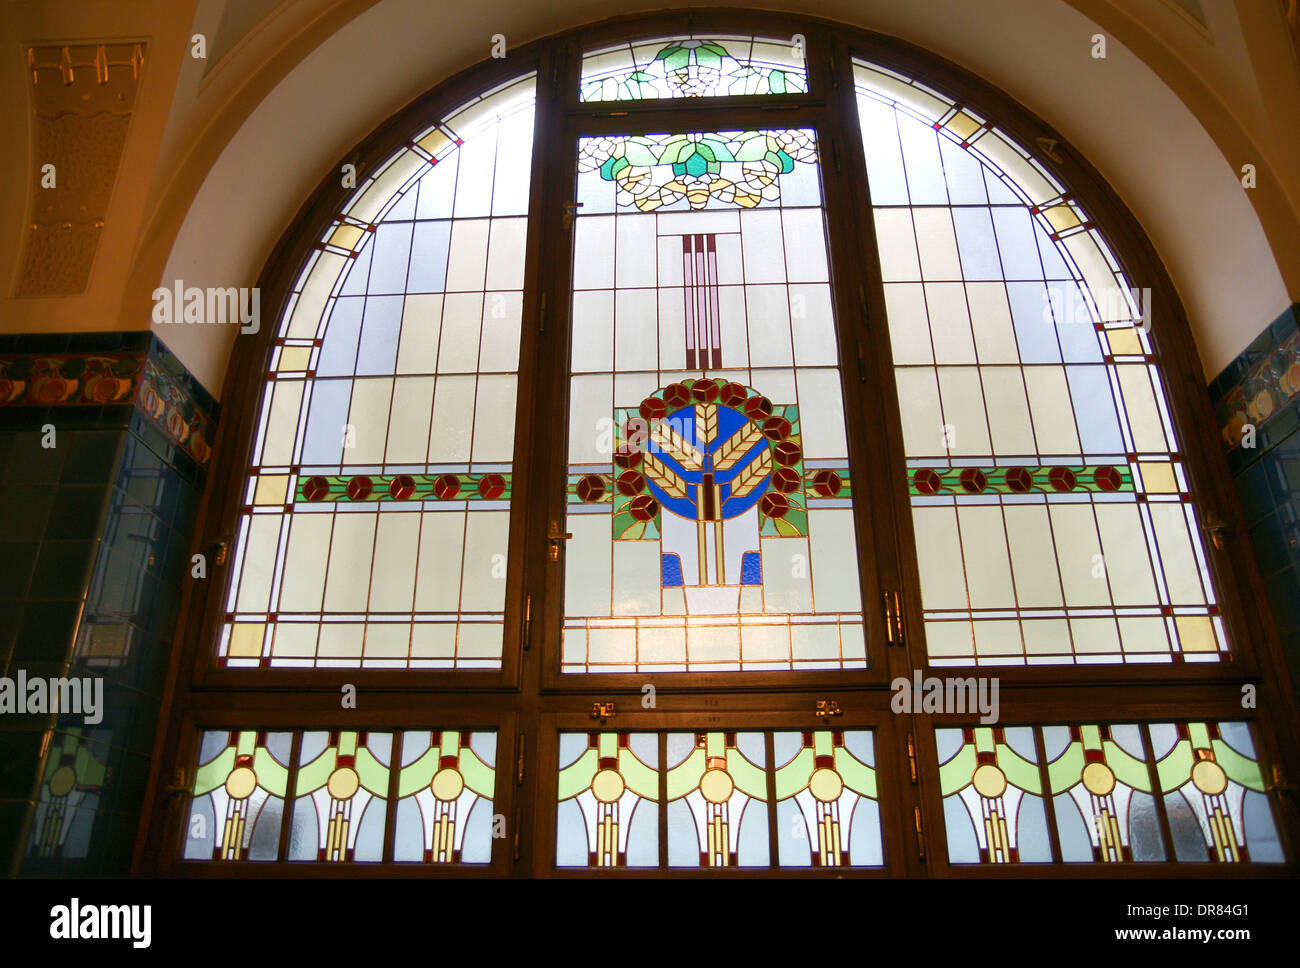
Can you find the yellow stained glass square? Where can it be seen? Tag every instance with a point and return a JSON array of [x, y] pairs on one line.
[[294, 359], [346, 237], [434, 142], [246, 640], [962, 125], [271, 489], [1158, 477], [1124, 342], [1061, 217], [1196, 633]]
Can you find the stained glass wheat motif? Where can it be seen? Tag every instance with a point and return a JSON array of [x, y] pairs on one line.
[[693, 67], [708, 488], [1053, 518], [377, 508]]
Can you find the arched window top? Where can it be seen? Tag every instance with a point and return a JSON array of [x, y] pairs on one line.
[[694, 66]]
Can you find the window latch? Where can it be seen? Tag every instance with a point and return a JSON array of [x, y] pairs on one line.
[[553, 538], [602, 711]]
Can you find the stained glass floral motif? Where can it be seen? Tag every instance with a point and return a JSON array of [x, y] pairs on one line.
[[376, 517], [709, 493], [1104, 796], [74, 773], [717, 800], [693, 67], [239, 793], [992, 795], [608, 800], [1213, 792], [1053, 518], [827, 811], [338, 785], [340, 792], [445, 788], [662, 171]]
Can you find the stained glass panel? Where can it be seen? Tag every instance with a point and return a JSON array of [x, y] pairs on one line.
[[827, 810], [709, 493], [608, 800], [1053, 517], [239, 793], [376, 513], [340, 796], [694, 66], [445, 787], [717, 800]]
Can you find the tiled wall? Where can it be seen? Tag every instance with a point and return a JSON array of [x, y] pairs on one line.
[[94, 540], [1261, 388]]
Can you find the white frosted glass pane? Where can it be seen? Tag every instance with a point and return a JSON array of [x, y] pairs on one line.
[[376, 195], [506, 253], [467, 261], [805, 245], [787, 585], [896, 241], [834, 560], [483, 585], [672, 322], [1097, 276], [761, 239], [453, 418], [1075, 530], [295, 640], [408, 427], [474, 175], [587, 565], [303, 584], [593, 331], [494, 423], [881, 146], [984, 546], [1095, 636], [636, 330], [392, 585], [1008, 410], [1144, 634], [1140, 405], [938, 551], [731, 267], [316, 290], [368, 418], [937, 244], [909, 329], [924, 104], [1049, 401], [821, 413], [636, 578], [258, 563], [1047, 637], [387, 640], [925, 182], [513, 164], [347, 584], [438, 189], [499, 345], [918, 404], [1033, 557], [997, 638], [995, 339], [768, 312], [282, 424], [734, 325], [1014, 166], [341, 640], [592, 244], [1182, 576], [814, 330], [634, 246], [591, 407], [421, 328], [948, 640], [1128, 564], [461, 327], [963, 410], [949, 323], [442, 535]]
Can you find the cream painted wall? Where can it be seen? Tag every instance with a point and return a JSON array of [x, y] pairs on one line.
[[243, 146]]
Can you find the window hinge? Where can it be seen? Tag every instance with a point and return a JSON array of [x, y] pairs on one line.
[[893, 619], [835, 152], [835, 75], [515, 838], [911, 756], [1217, 529], [920, 833], [541, 315], [862, 364], [519, 763], [528, 621], [862, 306], [602, 711], [827, 708]]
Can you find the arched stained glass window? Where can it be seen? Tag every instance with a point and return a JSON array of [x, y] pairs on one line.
[[376, 530], [575, 459], [1052, 511]]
